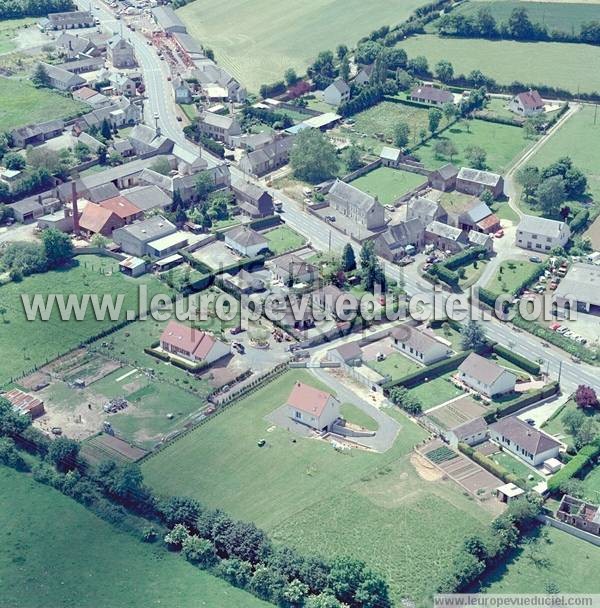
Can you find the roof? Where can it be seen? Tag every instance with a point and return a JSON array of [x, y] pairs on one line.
[[94, 218], [165, 17], [482, 369], [485, 178], [308, 399], [510, 490], [423, 208], [246, 237], [403, 233], [147, 197], [477, 210], [197, 342], [412, 337], [349, 351], [445, 231], [252, 191], [488, 222], [541, 226], [479, 238], [85, 93], [120, 206], [582, 283], [100, 193], [447, 171], [132, 262], [523, 435], [273, 151], [432, 94], [294, 264], [21, 401], [346, 195], [220, 121], [39, 129], [477, 425], [150, 229], [322, 120], [169, 241], [189, 43], [388, 153], [531, 100], [70, 17], [63, 76], [340, 85]]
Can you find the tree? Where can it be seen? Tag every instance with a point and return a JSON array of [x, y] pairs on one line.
[[294, 593], [313, 157], [519, 25], [14, 161], [572, 420], [476, 157], [64, 454], [341, 51], [40, 77], [161, 165], [218, 206], [323, 600], [199, 551], [125, 481], [3, 311], [445, 148], [434, 116], [370, 268], [486, 23], [403, 398], [99, 241], [204, 184], [106, 130], [11, 422], [444, 70], [290, 77], [422, 134], [551, 195], [58, 247], [115, 159], [82, 152], [352, 158], [24, 257], [236, 571], [348, 262], [586, 398], [486, 197], [176, 537], [367, 52], [418, 65], [401, 134], [472, 335], [102, 155], [587, 433], [345, 68], [529, 178], [575, 181], [449, 110]]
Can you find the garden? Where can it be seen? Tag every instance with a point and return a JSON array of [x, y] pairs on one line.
[[387, 184], [511, 276], [283, 239]]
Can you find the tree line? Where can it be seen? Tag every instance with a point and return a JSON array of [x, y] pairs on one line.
[[16, 9]]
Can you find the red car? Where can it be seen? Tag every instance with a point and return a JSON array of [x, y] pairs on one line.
[[499, 234]]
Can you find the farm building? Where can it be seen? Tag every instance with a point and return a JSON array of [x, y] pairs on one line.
[[36, 134], [347, 354], [95, 219], [578, 513], [245, 241], [419, 345], [67, 20], [475, 181], [312, 407], [446, 238], [390, 157], [192, 344], [167, 20], [485, 376], [480, 239], [62, 79], [509, 492], [267, 157], [135, 238], [444, 178], [426, 210], [132, 266], [474, 214], [393, 244], [541, 234], [123, 208], [580, 289], [528, 103], [431, 95], [25, 403]]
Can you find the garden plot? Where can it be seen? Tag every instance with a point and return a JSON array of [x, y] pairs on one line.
[[458, 412]]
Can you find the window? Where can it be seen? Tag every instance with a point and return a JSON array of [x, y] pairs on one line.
[[297, 414]]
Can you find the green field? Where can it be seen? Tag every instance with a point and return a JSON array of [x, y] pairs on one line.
[[591, 485], [394, 365], [21, 103], [48, 339], [502, 143], [257, 41], [388, 184], [57, 553], [510, 275], [551, 557], [437, 391], [355, 415], [283, 239], [372, 506], [555, 64], [9, 30]]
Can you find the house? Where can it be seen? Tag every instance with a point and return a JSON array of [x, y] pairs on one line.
[[62, 79], [123, 208], [528, 103], [33, 207], [480, 239], [364, 74], [580, 289], [268, 157], [244, 282], [326, 297], [390, 157], [253, 200], [167, 20], [118, 113], [419, 345], [24, 403], [431, 95], [91, 97], [291, 268], [135, 238], [425, 210], [82, 65], [486, 376], [148, 197], [337, 93], [541, 234], [37, 133], [100, 193], [219, 127], [72, 46], [445, 238], [528, 443], [95, 219], [472, 432], [579, 513], [69, 20], [312, 407], [122, 147], [192, 344], [357, 205], [400, 239], [217, 83], [182, 91], [148, 142], [444, 178], [347, 354], [475, 181], [120, 52], [245, 241], [122, 84]]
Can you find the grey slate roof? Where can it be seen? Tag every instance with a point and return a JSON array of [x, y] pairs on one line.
[[445, 231], [346, 195], [432, 94], [150, 229], [523, 435], [481, 369], [541, 226], [477, 425], [485, 178], [97, 194], [245, 236], [412, 337], [147, 197]]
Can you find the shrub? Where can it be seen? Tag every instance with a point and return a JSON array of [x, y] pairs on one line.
[[577, 465], [529, 366]]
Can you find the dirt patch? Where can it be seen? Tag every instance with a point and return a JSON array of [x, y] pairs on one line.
[[424, 468]]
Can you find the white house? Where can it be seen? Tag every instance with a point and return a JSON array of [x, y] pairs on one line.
[[527, 103], [540, 234], [336, 93], [245, 241], [418, 345], [528, 443], [472, 432], [485, 376], [312, 407]]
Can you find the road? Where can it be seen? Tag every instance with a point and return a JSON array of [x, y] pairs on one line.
[[325, 238]]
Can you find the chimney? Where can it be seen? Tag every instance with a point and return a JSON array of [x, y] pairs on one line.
[[40, 199], [75, 209]]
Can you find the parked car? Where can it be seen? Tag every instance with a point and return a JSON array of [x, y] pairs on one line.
[[499, 234], [530, 421], [536, 259], [330, 218], [234, 331]]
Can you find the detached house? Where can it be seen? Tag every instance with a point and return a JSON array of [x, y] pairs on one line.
[[62, 79], [528, 103], [291, 268], [192, 344], [431, 95], [267, 157], [540, 234], [245, 241], [312, 407], [219, 127], [485, 376], [357, 205], [364, 74], [419, 345], [253, 200], [337, 93]]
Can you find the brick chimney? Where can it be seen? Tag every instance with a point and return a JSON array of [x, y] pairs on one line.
[[75, 209]]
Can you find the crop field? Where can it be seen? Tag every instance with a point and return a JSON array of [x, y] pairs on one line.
[[283, 239], [557, 64], [257, 41], [387, 184], [21, 104], [78, 555], [48, 339], [295, 487], [542, 561]]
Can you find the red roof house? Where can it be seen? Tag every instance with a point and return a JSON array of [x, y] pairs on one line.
[[95, 219], [123, 207], [527, 103], [312, 407], [192, 344]]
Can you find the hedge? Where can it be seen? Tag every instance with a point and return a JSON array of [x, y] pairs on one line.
[[529, 366], [518, 404], [265, 222], [580, 221], [465, 257], [575, 466], [445, 275], [194, 368], [489, 465]]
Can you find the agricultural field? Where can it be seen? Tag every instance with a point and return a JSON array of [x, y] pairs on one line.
[[541, 561], [510, 276], [387, 184], [78, 555], [295, 487], [48, 339], [21, 104], [556, 64], [395, 365], [257, 41], [283, 239]]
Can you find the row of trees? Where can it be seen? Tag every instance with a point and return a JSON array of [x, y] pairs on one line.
[[15, 9]]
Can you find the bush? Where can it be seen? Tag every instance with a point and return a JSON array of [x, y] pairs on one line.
[[577, 465], [580, 221], [529, 366]]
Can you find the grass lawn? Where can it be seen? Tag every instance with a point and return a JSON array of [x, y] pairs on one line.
[[552, 63], [283, 239], [48, 339], [502, 143], [189, 109], [295, 487], [555, 426], [257, 41], [548, 558], [591, 485], [514, 465], [80, 560], [504, 211], [21, 103], [472, 273], [437, 391], [388, 184], [510, 276], [354, 414], [8, 31], [450, 334], [394, 365]]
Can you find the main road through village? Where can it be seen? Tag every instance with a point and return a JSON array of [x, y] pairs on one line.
[[161, 103]]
